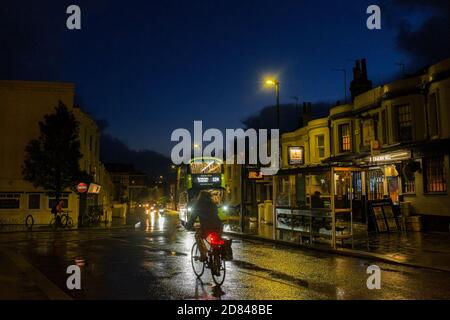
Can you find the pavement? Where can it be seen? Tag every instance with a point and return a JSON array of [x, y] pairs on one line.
[[153, 262], [418, 249]]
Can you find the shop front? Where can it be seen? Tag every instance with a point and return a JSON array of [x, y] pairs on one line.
[[314, 205], [383, 175], [257, 208]]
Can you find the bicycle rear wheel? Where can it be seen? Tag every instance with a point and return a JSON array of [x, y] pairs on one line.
[[69, 223], [197, 265], [29, 222], [52, 223], [63, 221], [218, 269]]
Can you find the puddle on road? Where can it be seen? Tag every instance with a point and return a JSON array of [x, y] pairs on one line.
[[271, 273], [164, 252]]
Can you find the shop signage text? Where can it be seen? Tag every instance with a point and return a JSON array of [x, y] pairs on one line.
[[296, 155]]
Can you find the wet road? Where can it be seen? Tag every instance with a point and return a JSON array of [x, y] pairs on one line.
[[154, 263]]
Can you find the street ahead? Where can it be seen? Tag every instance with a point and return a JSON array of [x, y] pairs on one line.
[[155, 264]]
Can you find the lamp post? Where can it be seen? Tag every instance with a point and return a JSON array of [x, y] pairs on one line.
[[276, 84], [277, 92]]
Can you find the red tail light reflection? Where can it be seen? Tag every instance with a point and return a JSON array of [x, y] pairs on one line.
[[214, 239]]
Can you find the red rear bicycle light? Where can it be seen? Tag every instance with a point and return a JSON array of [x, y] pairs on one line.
[[215, 239]]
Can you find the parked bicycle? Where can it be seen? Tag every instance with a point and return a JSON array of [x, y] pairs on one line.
[[17, 221], [92, 216], [218, 251]]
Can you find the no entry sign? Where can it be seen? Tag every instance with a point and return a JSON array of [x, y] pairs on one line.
[[82, 187]]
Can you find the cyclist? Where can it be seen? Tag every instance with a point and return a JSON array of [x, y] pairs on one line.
[[57, 210], [205, 209]]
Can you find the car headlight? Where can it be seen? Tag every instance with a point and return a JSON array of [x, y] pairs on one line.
[[189, 209], [225, 208]]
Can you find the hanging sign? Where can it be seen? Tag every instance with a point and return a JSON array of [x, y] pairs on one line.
[[82, 187], [296, 155]]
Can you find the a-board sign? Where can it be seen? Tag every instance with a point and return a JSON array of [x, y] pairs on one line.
[[390, 218], [382, 215], [379, 219]]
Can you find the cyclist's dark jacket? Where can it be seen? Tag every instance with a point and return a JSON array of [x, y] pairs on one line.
[[209, 217]]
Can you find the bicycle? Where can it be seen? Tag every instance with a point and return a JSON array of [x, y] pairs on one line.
[[92, 216], [64, 221], [29, 222], [216, 256]]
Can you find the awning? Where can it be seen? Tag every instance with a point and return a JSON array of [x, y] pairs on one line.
[[304, 169]]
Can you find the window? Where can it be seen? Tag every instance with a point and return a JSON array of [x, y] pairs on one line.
[[404, 122], [52, 200], [344, 137], [9, 200], [409, 185], [434, 175], [375, 181], [34, 201], [433, 115], [320, 145]]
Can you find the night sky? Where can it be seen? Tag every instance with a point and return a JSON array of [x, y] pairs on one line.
[[149, 67]]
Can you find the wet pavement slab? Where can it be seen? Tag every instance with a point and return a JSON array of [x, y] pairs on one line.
[[153, 262]]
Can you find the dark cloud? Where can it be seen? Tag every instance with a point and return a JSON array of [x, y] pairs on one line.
[[428, 43], [289, 116]]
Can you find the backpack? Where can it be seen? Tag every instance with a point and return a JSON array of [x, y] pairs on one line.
[[227, 251]]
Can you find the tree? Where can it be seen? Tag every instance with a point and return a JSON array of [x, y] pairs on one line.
[[52, 160]]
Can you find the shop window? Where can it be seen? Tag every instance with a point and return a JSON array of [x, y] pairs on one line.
[[300, 187], [409, 185], [357, 185], [320, 146], [285, 191], [393, 189], [408, 178], [433, 115], [9, 200], [434, 177], [404, 122], [342, 191], [52, 200], [344, 137], [34, 201], [318, 186], [375, 181]]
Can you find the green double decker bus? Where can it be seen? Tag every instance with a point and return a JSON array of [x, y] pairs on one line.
[[205, 173]]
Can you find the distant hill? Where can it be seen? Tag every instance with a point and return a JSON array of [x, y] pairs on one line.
[[113, 150]]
